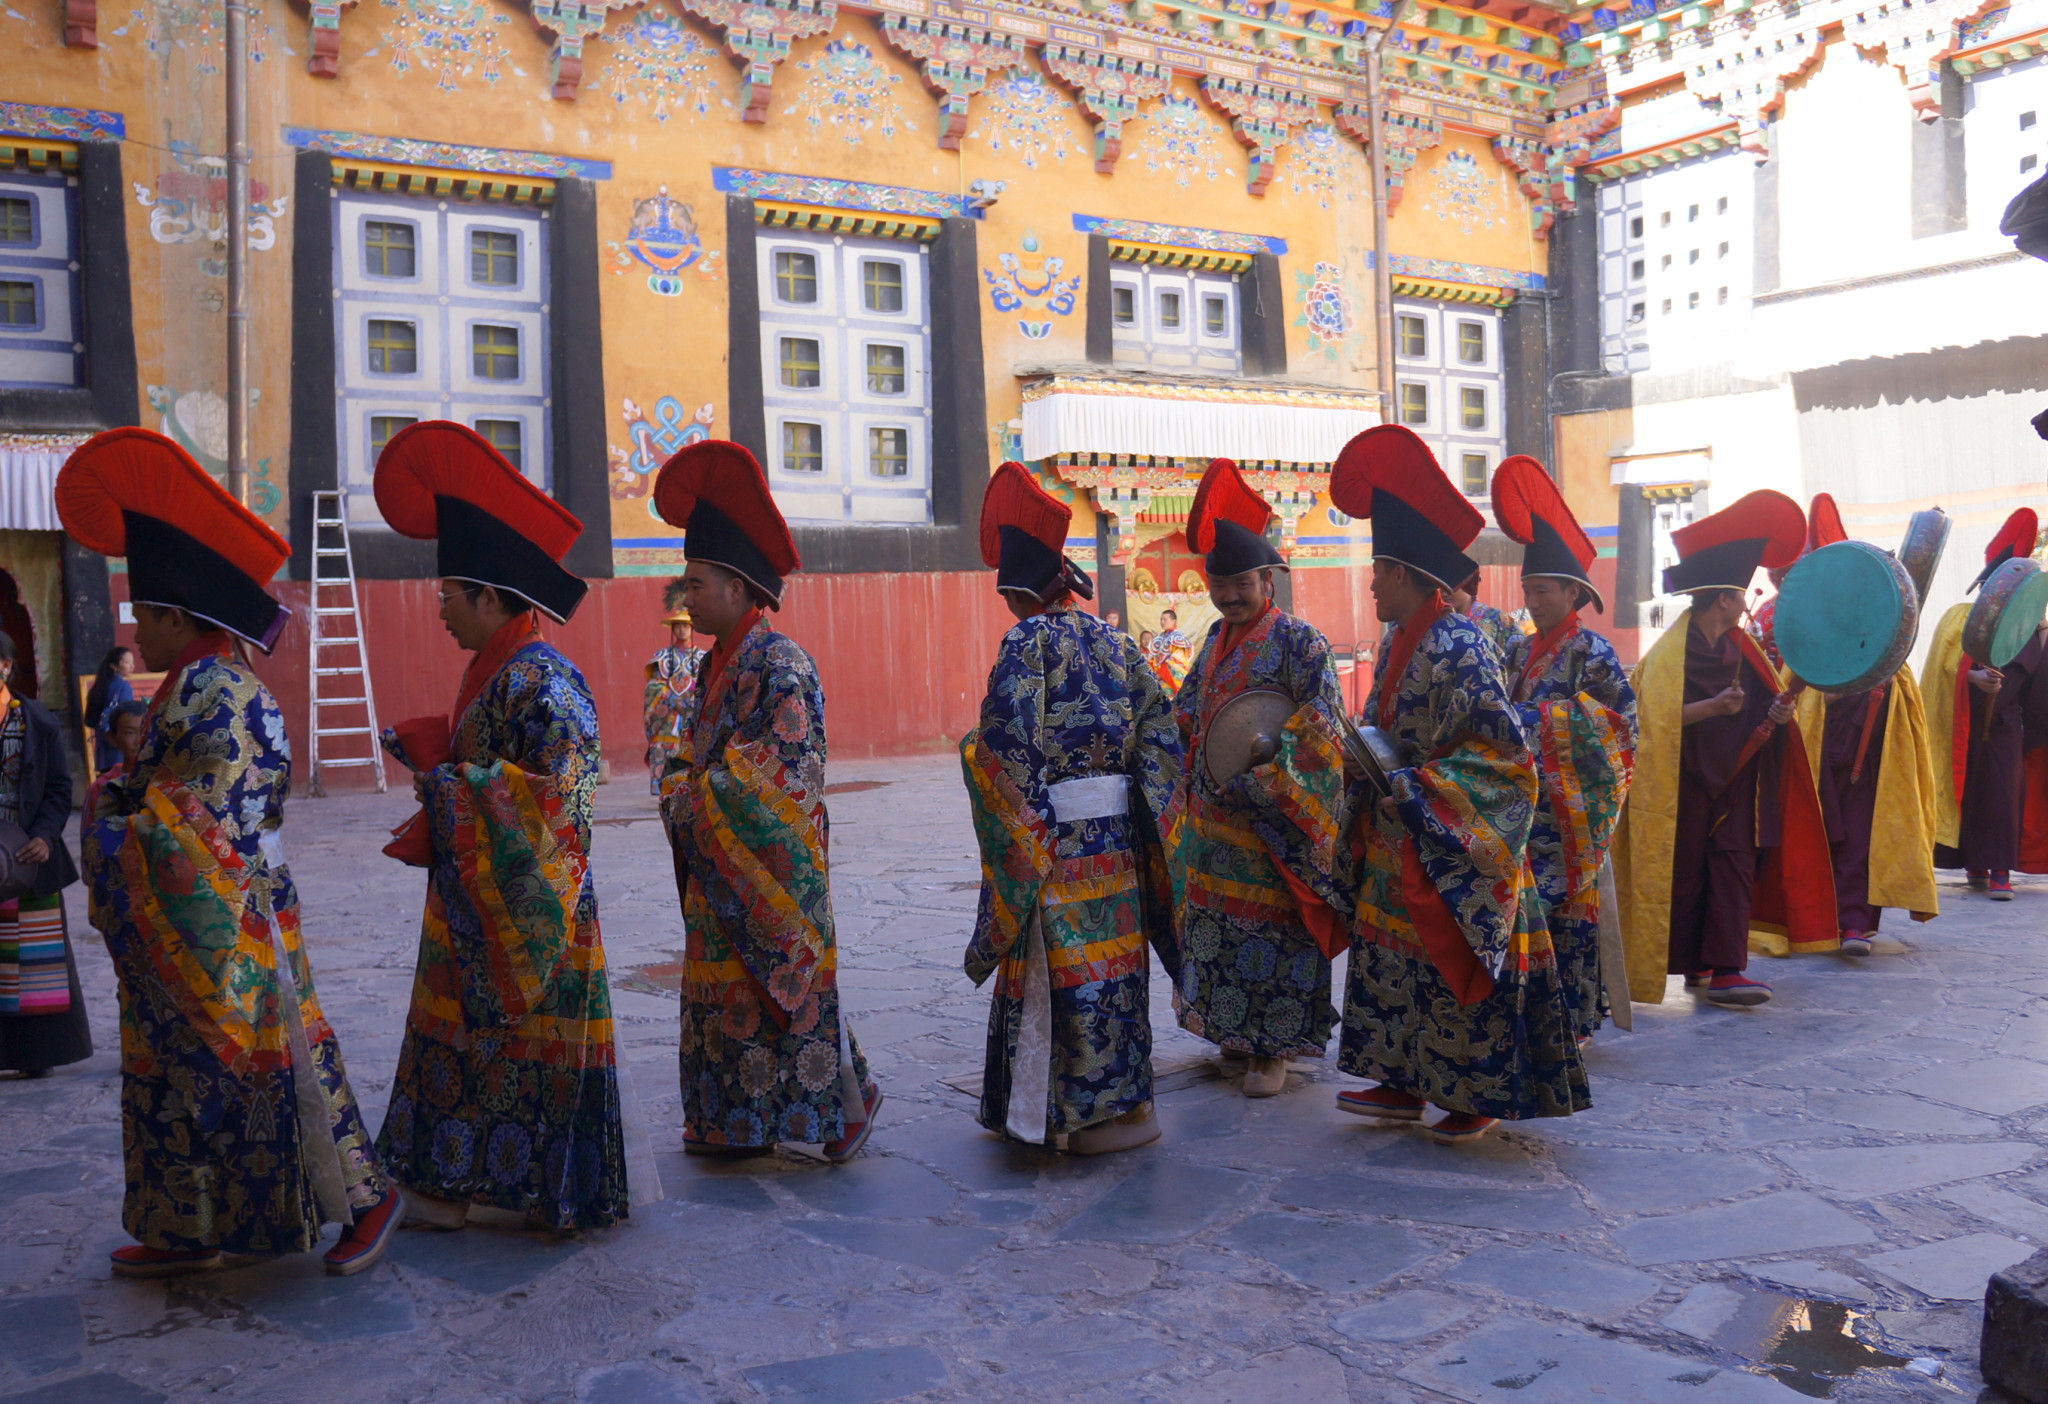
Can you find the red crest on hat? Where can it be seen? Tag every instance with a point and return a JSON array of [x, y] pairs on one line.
[[440, 458], [1015, 499], [137, 470], [1523, 492], [1764, 514], [2018, 535], [1390, 456], [726, 476], [1224, 496], [1824, 522]]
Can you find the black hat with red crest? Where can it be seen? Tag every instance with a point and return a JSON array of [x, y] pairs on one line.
[[443, 482], [1418, 517], [1532, 511], [1024, 536], [2015, 538], [1721, 552], [190, 546], [716, 492], [1228, 522]]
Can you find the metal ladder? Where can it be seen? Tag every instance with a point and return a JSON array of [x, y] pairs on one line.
[[328, 517]]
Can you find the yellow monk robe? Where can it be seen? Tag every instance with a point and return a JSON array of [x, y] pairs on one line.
[[1801, 913], [1903, 825], [1938, 683]]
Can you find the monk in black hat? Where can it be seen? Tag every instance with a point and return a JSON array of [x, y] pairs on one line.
[[1723, 829], [240, 1132], [1453, 998], [1068, 773], [766, 1055], [507, 1092], [1261, 875]]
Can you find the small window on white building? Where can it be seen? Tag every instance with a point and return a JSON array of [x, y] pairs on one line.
[[2026, 121], [18, 303], [2027, 163], [1692, 300], [1635, 271], [494, 351], [1169, 311], [800, 364], [1174, 319], [1472, 343], [394, 347], [1123, 305], [1215, 315], [1692, 213], [1414, 336], [1721, 205], [494, 258], [796, 278], [1414, 404], [881, 284], [1471, 407], [803, 447], [390, 248], [885, 368], [1472, 473], [507, 437], [888, 452], [1721, 296]]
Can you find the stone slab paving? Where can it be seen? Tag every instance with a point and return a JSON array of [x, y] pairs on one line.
[[1873, 1138]]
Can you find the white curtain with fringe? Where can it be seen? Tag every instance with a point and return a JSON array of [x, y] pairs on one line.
[[1188, 428], [28, 487]]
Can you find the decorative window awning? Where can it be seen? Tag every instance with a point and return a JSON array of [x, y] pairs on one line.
[[782, 215], [442, 169], [1446, 280], [28, 479], [457, 185], [1102, 412], [47, 157], [1207, 260], [1438, 291]]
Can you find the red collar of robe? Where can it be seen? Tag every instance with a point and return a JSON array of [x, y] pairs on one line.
[[1402, 651], [513, 635], [1546, 644], [722, 653]]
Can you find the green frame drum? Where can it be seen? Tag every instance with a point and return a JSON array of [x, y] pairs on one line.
[[2009, 608], [1921, 547], [1846, 617]]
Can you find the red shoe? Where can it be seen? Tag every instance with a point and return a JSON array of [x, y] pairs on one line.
[[1459, 1128], [138, 1261], [363, 1242], [1732, 987], [848, 1146], [1387, 1103], [1978, 879], [2000, 889]]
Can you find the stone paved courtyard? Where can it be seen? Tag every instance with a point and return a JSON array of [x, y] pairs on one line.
[[1872, 1140]]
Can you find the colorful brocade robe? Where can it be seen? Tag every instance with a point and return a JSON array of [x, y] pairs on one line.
[[1453, 989], [507, 1090], [762, 1039], [1497, 625], [238, 1127], [669, 705], [1579, 715], [1261, 879], [1069, 903]]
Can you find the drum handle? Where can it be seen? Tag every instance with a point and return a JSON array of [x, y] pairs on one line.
[[1762, 734]]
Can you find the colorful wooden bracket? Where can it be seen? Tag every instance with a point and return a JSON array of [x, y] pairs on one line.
[[1109, 88], [959, 59], [568, 23], [759, 33], [1263, 119], [323, 35], [1407, 136], [81, 24]]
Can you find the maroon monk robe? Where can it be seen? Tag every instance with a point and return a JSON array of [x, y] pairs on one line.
[[1848, 799], [1994, 783], [1726, 817]]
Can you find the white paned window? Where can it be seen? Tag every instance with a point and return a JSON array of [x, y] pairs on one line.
[[2005, 136], [440, 313], [1174, 319], [845, 358], [42, 335], [1449, 386]]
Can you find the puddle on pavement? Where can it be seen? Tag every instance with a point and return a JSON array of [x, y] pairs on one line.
[[1808, 1346]]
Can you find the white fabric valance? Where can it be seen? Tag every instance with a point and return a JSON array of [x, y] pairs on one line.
[[1189, 421], [28, 485]]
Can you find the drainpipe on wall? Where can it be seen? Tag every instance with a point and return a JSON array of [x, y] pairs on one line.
[[1382, 263], [237, 38]]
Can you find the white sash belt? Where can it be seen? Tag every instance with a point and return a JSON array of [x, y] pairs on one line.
[[1090, 797]]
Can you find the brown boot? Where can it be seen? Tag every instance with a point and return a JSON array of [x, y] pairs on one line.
[[1126, 1132], [1265, 1077]]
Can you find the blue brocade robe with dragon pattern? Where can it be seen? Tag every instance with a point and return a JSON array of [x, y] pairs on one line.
[[1243, 855], [227, 1142], [1069, 697], [1579, 714], [507, 1089], [764, 1051], [1452, 993]]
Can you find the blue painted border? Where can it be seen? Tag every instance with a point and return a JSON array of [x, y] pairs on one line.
[[834, 194], [443, 155], [1448, 271], [1179, 236], [22, 119]]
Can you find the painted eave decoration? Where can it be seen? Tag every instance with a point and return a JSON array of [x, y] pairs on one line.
[[45, 138]]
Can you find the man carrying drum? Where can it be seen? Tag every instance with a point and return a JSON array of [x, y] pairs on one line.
[[1261, 880], [1985, 721], [1452, 998], [1576, 705], [1722, 806], [1869, 747]]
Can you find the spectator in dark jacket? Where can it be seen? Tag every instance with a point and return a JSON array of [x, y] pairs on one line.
[[42, 1013]]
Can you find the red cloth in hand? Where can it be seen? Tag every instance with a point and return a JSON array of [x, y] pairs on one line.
[[424, 742]]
